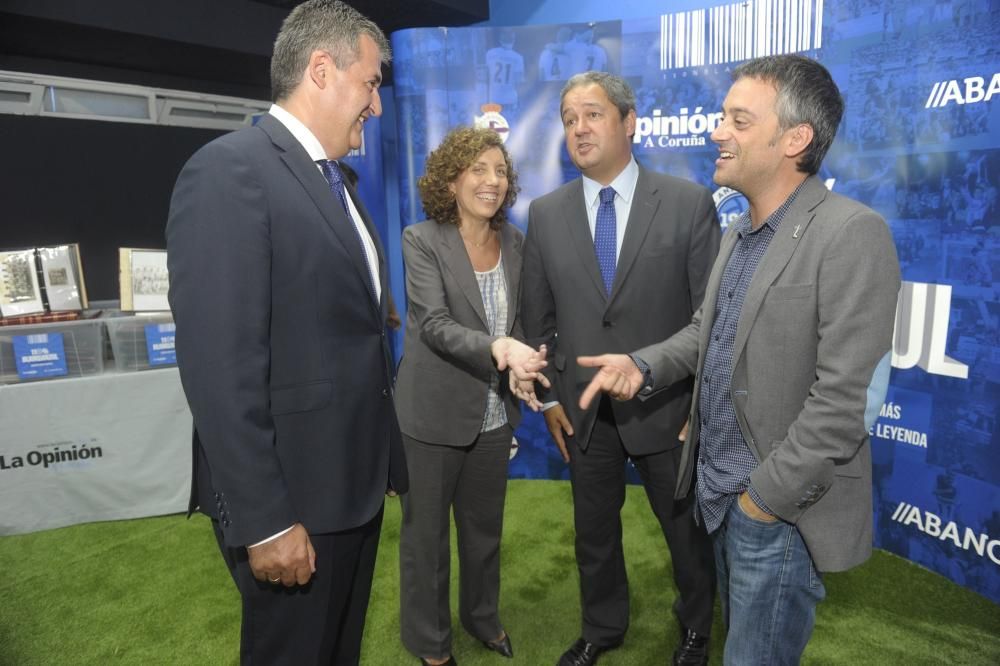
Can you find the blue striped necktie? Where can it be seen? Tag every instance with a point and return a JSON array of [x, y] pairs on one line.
[[606, 237], [335, 177]]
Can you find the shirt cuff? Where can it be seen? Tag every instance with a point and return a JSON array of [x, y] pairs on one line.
[[546, 406], [647, 375], [271, 538]]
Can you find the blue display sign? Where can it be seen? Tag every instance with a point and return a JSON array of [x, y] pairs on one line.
[[40, 355], [160, 344]]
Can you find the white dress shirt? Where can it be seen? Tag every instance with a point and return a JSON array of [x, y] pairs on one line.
[[316, 152], [624, 186]]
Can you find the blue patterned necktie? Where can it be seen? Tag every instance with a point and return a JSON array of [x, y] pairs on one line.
[[606, 237], [335, 177]]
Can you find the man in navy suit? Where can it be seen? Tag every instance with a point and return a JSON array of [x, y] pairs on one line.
[[278, 288], [615, 257]]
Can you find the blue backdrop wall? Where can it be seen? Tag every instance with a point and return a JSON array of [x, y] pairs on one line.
[[919, 143]]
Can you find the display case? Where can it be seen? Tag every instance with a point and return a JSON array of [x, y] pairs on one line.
[[51, 351], [142, 342]]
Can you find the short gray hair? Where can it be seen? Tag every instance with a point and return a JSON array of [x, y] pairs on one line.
[[807, 95], [323, 25], [615, 87]]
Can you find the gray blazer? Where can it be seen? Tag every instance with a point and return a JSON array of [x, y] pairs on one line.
[[670, 243], [810, 363], [446, 367]]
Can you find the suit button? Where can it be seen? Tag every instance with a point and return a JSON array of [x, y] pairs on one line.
[[607, 324], [385, 393]]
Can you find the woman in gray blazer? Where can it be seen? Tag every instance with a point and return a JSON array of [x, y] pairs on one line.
[[456, 410]]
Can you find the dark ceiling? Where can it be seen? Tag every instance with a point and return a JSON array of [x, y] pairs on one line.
[[210, 46]]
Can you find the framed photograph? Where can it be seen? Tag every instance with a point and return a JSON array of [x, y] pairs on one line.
[[143, 280], [19, 290], [62, 274]]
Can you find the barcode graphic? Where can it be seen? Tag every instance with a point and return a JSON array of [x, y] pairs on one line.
[[682, 39], [38, 339], [739, 31]]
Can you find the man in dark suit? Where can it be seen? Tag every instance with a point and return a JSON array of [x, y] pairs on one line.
[[614, 258], [791, 354], [278, 284]]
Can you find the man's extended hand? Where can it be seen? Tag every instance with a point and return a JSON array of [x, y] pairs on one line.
[[288, 559], [618, 376], [558, 423]]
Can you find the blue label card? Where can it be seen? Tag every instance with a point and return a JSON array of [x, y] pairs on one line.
[[160, 344], [39, 355]]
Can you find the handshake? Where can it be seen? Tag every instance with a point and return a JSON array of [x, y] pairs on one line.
[[617, 374], [525, 365]]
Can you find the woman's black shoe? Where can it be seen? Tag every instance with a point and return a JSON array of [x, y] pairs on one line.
[[501, 646]]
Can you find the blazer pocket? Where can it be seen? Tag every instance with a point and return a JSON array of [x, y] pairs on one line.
[[790, 291], [301, 397]]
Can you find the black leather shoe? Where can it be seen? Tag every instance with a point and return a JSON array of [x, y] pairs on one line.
[[501, 646], [451, 661], [693, 650], [583, 653]]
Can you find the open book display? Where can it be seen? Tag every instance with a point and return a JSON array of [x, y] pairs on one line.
[[60, 288]]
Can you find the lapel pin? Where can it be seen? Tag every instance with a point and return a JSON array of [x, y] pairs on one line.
[[795, 231]]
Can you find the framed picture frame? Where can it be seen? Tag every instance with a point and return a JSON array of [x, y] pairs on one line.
[[143, 280]]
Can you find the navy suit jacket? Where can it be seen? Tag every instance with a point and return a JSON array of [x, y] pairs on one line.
[[280, 342]]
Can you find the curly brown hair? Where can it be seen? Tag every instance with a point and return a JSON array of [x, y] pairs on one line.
[[446, 163]]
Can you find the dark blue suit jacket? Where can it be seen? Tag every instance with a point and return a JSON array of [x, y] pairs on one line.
[[281, 345]]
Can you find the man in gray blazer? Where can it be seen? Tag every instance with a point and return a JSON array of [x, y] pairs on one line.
[[791, 355], [617, 260]]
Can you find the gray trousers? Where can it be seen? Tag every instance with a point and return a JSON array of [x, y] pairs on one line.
[[473, 480]]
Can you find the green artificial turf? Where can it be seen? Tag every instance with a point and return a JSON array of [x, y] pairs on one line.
[[155, 591]]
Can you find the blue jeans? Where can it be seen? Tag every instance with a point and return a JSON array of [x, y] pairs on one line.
[[768, 589]]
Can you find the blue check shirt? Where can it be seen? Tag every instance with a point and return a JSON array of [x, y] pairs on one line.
[[724, 458]]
